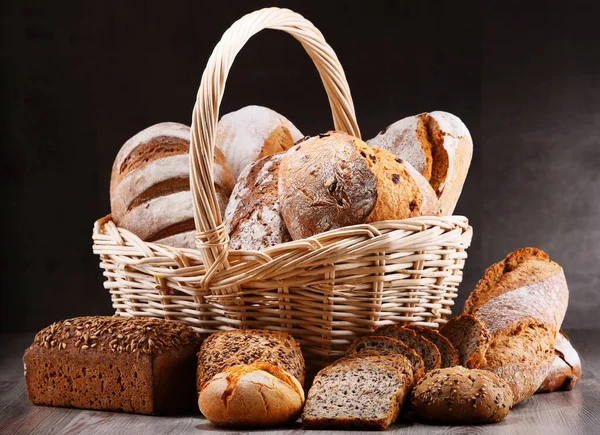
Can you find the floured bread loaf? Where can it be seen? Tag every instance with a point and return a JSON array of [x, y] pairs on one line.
[[438, 145], [149, 187], [252, 217], [251, 133]]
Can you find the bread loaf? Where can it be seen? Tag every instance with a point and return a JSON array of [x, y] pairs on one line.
[[469, 337], [139, 365], [365, 395], [335, 180], [448, 352], [457, 395], [150, 190], [521, 302], [252, 217], [251, 133], [232, 348], [428, 351], [565, 371], [438, 145], [253, 395]]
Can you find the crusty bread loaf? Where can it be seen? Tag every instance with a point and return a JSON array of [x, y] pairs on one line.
[[361, 394], [521, 302], [252, 217], [231, 348], [469, 337], [251, 133], [145, 366], [150, 190], [565, 371], [252, 395], [438, 145], [458, 395], [324, 183], [428, 351], [448, 352], [385, 345]]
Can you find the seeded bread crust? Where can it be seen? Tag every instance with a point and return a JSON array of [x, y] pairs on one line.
[[384, 345], [425, 348], [363, 395], [566, 367], [137, 365], [449, 354], [469, 337], [231, 348], [458, 395]]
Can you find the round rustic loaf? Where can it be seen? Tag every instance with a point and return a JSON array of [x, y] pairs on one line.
[[324, 183], [438, 145], [253, 395], [251, 133], [149, 187], [457, 395], [252, 217]]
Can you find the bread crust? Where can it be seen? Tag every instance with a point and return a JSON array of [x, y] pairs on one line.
[[458, 395], [448, 352], [428, 351], [254, 395], [472, 347], [565, 371]]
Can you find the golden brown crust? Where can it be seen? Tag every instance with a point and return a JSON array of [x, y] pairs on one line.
[[469, 337], [448, 352], [428, 351], [565, 371]]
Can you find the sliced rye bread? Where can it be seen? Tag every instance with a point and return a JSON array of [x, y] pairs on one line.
[[432, 358], [246, 346], [361, 394], [389, 344], [450, 357], [470, 339]]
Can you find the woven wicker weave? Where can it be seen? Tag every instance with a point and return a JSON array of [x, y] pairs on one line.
[[324, 290]]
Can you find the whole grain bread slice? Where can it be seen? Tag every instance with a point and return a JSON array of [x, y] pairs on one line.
[[360, 394], [384, 345], [450, 357], [469, 337], [230, 348], [428, 351]]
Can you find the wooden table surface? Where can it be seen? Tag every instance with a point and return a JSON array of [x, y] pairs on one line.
[[573, 412]]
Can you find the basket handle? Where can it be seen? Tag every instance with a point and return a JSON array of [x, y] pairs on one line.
[[211, 236]]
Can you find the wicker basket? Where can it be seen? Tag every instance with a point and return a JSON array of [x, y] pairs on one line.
[[325, 290]]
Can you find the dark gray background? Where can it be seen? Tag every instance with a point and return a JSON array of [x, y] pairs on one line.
[[79, 78]]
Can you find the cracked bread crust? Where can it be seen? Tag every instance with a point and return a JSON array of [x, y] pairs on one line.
[[253, 395], [565, 371]]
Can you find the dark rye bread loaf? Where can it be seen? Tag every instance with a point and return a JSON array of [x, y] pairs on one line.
[[246, 346], [450, 357], [457, 395], [145, 366], [364, 395], [385, 345], [425, 348]]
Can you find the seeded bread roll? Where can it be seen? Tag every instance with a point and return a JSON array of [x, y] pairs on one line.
[[144, 366], [231, 348], [150, 189], [450, 357], [566, 367], [424, 348], [251, 133], [457, 395], [364, 395], [253, 217], [253, 395], [438, 145], [384, 345]]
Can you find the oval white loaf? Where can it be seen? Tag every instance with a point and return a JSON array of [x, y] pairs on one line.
[[150, 192], [251, 133]]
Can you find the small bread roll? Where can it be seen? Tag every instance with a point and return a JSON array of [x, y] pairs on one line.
[[253, 395], [457, 395], [438, 145], [251, 133], [252, 216]]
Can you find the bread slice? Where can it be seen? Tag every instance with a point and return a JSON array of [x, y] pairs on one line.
[[231, 348], [425, 348], [470, 339], [385, 345], [448, 352], [364, 395]]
